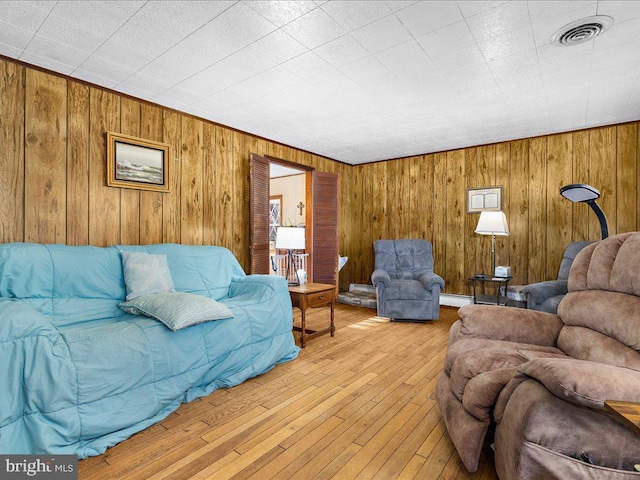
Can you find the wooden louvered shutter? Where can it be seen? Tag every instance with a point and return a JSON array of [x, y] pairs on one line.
[[325, 189], [259, 211]]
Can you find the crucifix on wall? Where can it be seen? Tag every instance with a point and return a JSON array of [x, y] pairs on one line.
[[300, 206]]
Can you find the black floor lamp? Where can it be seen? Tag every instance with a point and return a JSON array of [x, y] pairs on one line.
[[581, 193]]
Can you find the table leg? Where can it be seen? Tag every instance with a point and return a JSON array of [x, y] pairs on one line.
[[303, 326], [333, 327]]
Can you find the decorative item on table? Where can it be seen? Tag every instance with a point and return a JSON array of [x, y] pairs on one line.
[[302, 276], [290, 239], [493, 223], [502, 271]]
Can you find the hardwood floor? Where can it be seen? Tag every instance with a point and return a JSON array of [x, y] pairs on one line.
[[359, 405]]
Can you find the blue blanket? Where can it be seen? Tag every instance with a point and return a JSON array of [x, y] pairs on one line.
[[78, 375]]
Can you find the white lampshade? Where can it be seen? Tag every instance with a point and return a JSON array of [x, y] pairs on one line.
[[492, 223], [290, 238]]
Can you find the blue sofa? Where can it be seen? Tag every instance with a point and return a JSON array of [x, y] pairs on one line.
[[78, 375]]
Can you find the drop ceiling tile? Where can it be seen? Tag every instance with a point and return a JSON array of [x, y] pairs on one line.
[[447, 39], [121, 51], [396, 5], [242, 24], [508, 44], [543, 30], [23, 14], [552, 56], [402, 55], [94, 78], [519, 66], [540, 10], [499, 20], [352, 15], [365, 69], [264, 83], [460, 59], [382, 34], [101, 67], [470, 8], [151, 85], [110, 15], [55, 51], [314, 29], [619, 35], [71, 33], [474, 81], [212, 42], [14, 36], [182, 95], [424, 17], [10, 51], [307, 65], [279, 47], [134, 91], [341, 51], [280, 13], [178, 64], [621, 11], [46, 62]]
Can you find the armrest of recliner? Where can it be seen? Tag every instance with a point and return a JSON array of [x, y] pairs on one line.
[[509, 324], [429, 279], [380, 276], [585, 383], [539, 292]]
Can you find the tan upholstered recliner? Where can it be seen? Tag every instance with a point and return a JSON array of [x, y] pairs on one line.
[[541, 379]]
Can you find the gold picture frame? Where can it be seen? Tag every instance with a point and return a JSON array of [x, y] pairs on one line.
[[485, 199], [137, 163]]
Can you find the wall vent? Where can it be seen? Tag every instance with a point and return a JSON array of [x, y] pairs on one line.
[[581, 31]]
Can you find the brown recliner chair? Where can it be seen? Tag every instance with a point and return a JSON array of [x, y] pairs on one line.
[[541, 379]]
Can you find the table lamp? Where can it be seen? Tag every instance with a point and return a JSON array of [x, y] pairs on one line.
[[492, 223], [290, 238]]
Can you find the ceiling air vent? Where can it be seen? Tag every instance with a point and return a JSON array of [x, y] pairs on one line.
[[581, 31]]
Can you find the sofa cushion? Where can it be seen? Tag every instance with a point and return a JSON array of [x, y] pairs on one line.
[[145, 274], [176, 309]]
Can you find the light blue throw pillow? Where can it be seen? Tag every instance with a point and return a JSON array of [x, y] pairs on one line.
[[176, 309], [145, 273]]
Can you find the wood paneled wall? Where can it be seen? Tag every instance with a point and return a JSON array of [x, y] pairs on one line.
[[53, 184], [53, 161], [424, 197]]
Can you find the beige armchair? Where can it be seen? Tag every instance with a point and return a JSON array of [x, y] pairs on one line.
[[541, 379]]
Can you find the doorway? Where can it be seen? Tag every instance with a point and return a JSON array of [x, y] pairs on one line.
[[319, 210]]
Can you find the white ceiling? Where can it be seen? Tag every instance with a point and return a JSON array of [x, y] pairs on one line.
[[356, 81]]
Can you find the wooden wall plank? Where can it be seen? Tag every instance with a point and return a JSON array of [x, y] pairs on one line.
[[367, 228], [559, 210], [12, 90], [403, 211], [439, 217], [486, 177], [537, 233], [129, 198], [602, 175], [224, 187], [210, 226], [503, 242], [626, 186], [518, 186], [78, 164], [581, 213], [151, 202], [104, 201], [171, 201], [470, 220], [454, 224], [240, 201], [191, 191]]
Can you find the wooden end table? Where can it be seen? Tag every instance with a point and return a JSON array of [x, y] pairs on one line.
[[313, 295], [628, 411]]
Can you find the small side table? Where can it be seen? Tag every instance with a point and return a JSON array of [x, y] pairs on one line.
[[482, 296], [628, 411], [313, 295]]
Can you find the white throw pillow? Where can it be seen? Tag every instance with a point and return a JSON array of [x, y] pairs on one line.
[[145, 273]]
